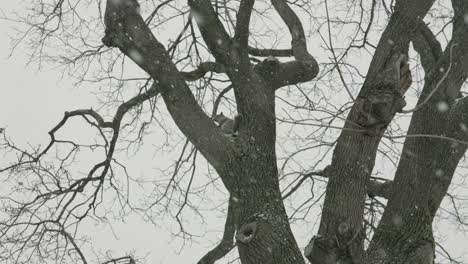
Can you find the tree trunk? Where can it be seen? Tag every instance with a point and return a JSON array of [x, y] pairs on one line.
[[427, 164], [340, 237]]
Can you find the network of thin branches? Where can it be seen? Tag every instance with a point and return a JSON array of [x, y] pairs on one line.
[[126, 157]]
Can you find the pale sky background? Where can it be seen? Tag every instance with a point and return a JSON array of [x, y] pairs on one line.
[[28, 110], [32, 102]]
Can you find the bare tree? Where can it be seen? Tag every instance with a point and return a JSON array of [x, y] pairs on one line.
[[219, 44]]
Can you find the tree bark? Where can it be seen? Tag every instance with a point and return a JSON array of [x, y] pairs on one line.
[[427, 164], [247, 165], [339, 236]]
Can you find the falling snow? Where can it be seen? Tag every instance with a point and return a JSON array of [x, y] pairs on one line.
[[397, 220], [463, 127], [466, 18], [197, 17], [442, 106], [391, 42], [439, 173], [271, 58], [381, 252], [135, 56], [295, 34], [219, 41]]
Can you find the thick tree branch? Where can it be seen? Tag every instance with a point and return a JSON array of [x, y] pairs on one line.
[[126, 30], [298, 42], [295, 72], [460, 8], [375, 188], [459, 71], [428, 47], [305, 67], [242, 25], [354, 155], [212, 30], [279, 74]]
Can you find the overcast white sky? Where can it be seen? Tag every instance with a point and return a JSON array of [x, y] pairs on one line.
[[32, 101]]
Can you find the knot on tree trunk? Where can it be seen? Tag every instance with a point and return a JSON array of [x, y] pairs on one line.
[[251, 227], [247, 232]]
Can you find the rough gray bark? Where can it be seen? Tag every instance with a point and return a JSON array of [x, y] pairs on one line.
[[427, 163], [256, 221], [247, 165], [354, 155]]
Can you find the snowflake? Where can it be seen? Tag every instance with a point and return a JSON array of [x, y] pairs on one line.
[[442, 107], [135, 56]]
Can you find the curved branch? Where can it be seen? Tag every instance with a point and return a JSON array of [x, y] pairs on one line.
[[131, 35], [227, 242], [305, 67], [241, 34], [332, 49], [376, 187], [119, 260], [436, 88], [350, 172], [218, 99], [298, 42], [428, 47], [155, 11]]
